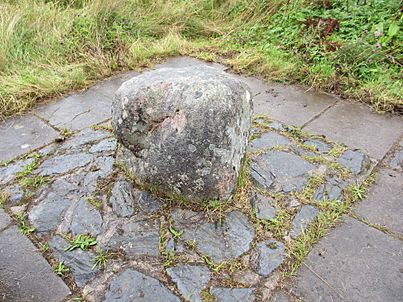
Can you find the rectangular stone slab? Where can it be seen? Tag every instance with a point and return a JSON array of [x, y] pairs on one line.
[[354, 262], [19, 135], [25, 276], [383, 204], [356, 126]]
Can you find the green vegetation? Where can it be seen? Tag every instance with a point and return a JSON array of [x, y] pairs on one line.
[[25, 228], [82, 241], [61, 269], [351, 47], [101, 258]]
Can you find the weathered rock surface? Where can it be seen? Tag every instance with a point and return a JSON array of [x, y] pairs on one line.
[[233, 294], [220, 242], [280, 171], [269, 140], [79, 262], [104, 146], [318, 145], [263, 207], [146, 203], [186, 128], [331, 190], [303, 218], [86, 219], [9, 172], [47, 215], [131, 285], [137, 238], [122, 198], [190, 280], [5, 220], [267, 256], [356, 161], [16, 194], [397, 160], [64, 163]]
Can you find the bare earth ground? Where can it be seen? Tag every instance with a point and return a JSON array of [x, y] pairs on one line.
[[313, 159]]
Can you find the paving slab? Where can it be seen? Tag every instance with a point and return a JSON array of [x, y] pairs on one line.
[[353, 263], [293, 105], [354, 125], [5, 220], [19, 135], [23, 271], [383, 204]]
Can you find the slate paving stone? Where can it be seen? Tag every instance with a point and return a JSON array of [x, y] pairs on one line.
[[64, 163], [83, 138], [19, 135], [302, 220], [137, 238], [47, 215], [190, 280], [268, 140], [354, 125], [355, 160], [397, 160], [100, 168], [222, 294], [8, 173], [332, 189], [353, 263], [263, 207], [23, 271], [246, 277], [78, 261], [267, 256], [5, 220], [86, 219], [16, 193], [77, 111], [277, 126], [383, 203], [122, 198], [219, 242], [320, 146], [105, 145], [287, 172], [132, 285]]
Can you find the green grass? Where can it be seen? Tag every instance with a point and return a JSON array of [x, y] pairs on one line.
[[82, 241], [50, 47]]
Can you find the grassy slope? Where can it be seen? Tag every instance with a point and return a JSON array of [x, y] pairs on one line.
[[49, 47]]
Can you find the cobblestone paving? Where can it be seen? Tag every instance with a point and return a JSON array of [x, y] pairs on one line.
[[112, 240]]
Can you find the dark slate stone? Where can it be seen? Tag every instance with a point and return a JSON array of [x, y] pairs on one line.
[[303, 218], [170, 246], [48, 214], [186, 128], [268, 140], [64, 163], [220, 242], [84, 137], [101, 168], [86, 219], [5, 220], [356, 161], [222, 294], [16, 194], [9, 172], [263, 207], [397, 160], [190, 280], [320, 146], [122, 198], [268, 256], [277, 126], [131, 285], [137, 238], [286, 171], [331, 190], [105, 145], [354, 262], [147, 203], [25, 276], [78, 261]]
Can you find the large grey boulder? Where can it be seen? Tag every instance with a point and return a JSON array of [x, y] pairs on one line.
[[186, 129]]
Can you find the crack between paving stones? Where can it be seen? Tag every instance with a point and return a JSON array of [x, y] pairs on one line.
[[319, 114], [46, 121]]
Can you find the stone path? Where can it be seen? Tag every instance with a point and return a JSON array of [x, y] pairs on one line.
[[69, 207]]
